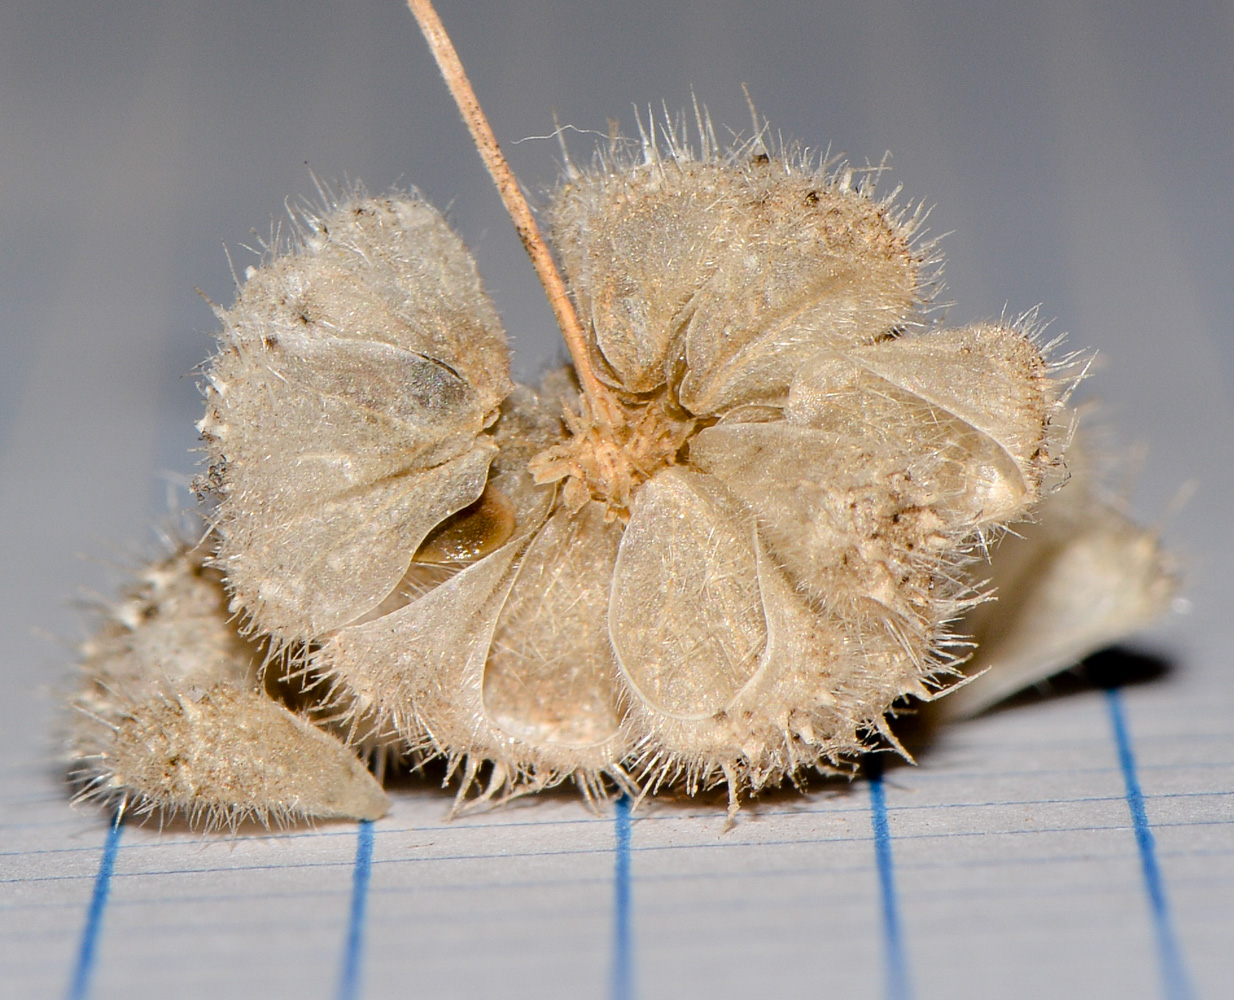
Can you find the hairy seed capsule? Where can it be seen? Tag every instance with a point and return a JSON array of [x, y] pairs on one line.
[[724, 564]]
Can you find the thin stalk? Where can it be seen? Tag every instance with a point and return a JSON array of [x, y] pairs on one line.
[[512, 195]]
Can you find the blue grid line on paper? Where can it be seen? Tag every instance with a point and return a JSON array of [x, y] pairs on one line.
[[172, 844], [922, 777], [726, 847], [623, 958], [1176, 984], [79, 986], [764, 813], [896, 984], [353, 951]]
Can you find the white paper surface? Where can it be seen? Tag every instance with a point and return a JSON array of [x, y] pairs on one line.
[[1016, 873], [1080, 157]]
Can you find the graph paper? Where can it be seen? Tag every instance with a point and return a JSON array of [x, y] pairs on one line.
[[1068, 848], [1079, 843]]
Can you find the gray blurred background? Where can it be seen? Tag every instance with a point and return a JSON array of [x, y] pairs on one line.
[[1079, 154]]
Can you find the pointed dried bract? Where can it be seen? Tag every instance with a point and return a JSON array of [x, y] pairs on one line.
[[172, 719], [1081, 578], [345, 411]]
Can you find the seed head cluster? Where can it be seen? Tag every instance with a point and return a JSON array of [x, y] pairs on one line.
[[727, 567]]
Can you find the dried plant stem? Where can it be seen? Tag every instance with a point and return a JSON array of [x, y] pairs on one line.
[[511, 194]]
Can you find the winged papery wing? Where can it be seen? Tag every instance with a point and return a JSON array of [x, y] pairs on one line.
[[888, 457], [416, 674], [345, 412], [306, 571], [636, 246], [559, 698], [685, 618], [815, 265], [730, 668], [994, 383], [745, 268]]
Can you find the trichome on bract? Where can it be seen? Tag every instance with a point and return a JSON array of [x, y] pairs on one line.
[[718, 550]]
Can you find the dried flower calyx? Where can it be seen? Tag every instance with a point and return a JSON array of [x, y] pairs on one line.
[[725, 566]]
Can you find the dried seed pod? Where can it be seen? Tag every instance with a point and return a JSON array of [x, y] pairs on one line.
[[172, 718], [719, 550], [740, 590]]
